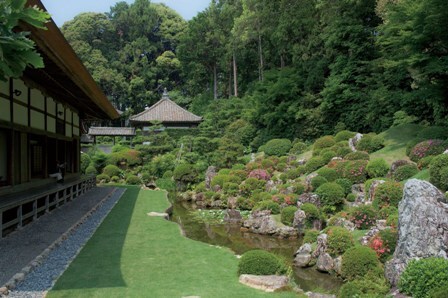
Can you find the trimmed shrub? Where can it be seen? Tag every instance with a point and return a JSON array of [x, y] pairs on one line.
[[343, 151], [185, 173], [346, 185], [327, 156], [351, 197], [424, 162], [310, 236], [324, 142], [339, 240], [377, 167], [387, 194], [102, 177], [437, 167], [133, 180], [311, 211], [357, 261], [357, 155], [328, 173], [439, 292], [314, 163], [384, 213], [384, 244], [260, 174], [268, 205], [354, 170], [369, 286], [250, 185], [370, 143], [298, 148], [287, 215], [344, 135], [299, 188], [331, 194], [421, 276], [115, 179], [318, 181], [231, 188], [405, 172], [260, 262], [392, 220], [91, 170], [427, 148], [145, 178], [223, 179], [277, 147], [112, 170], [363, 216], [85, 162]]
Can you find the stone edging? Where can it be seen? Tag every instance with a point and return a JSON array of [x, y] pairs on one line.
[[18, 277]]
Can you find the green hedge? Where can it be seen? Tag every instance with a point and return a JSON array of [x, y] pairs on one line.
[[260, 262]]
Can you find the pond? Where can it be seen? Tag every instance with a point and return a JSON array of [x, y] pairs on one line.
[[228, 235]]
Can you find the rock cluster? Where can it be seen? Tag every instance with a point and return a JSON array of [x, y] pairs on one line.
[[267, 283], [261, 222]]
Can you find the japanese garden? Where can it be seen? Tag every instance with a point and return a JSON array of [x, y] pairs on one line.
[[291, 148]]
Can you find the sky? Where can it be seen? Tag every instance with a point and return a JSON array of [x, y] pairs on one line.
[[62, 11]]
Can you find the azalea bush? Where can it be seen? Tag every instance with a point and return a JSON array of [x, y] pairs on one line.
[[324, 142], [427, 148], [384, 243], [354, 170], [331, 194], [260, 174], [358, 261], [287, 215], [377, 167], [363, 216], [338, 241], [387, 194]]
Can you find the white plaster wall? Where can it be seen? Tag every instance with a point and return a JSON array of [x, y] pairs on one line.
[[51, 124], [68, 130], [4, 87], [51, 106], [3, 156], [37, 99], [75, 131], [20, 85], [37, 120]]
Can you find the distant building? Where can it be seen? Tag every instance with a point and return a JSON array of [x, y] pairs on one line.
[[166, 112], [41, 113]]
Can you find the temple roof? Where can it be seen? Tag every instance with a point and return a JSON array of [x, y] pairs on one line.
[[166, 111], [111, 131]]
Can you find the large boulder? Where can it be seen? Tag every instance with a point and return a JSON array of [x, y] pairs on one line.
[[302, 257], [354, 141], [299, 220], [267, 283], [233, 216], [321, 245], [261, 222], [422, 227], [209, 175], [373, 188], [325, 263], [309, 198]]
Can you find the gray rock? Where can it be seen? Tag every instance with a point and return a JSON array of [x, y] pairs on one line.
[[354, 141], [209, 175], [302, 260], [286, 232], [422, 227], [299, 220], [319, 295], [321, 245], [260, 222], [396, 164], [304, 249], [373, 188], [4, 291], [325, 263], [338, 265], [232, 202], [309, 198], [308, 180], [217, 204], [345, 223], [233, 216], [267, 283]]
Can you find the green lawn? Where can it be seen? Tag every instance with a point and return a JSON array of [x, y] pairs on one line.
[[134, 255], [395, 140]]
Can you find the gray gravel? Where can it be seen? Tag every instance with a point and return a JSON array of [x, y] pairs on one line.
[[43, 276]]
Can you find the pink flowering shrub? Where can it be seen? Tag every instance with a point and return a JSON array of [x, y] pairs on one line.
[[363, 217], [384, 243], [260, 174], [354, 170], [427, 148]]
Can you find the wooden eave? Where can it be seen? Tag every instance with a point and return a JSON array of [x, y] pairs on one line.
[[65, 77]]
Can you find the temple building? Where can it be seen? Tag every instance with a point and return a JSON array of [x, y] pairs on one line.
[[41, 117], [167, 113]]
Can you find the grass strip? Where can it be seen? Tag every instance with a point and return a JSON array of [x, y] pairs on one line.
[[135, 255]]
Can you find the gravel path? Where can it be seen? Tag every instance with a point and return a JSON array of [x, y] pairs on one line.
[[42, 277]]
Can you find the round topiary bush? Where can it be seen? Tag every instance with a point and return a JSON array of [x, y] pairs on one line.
[[384, 243], [354, 170], [102, 178], [357, 261], [329, 173], [438, 165], [115, 179], [363, 216], [111, 170], [287, 215], [387, 194], [260, 262], [421, 276], [338, 241], [311, 211], [298, 148], [369, 286], [405, 172], [346, 185], [133, 180], [268, 205], [424, 162], [91, 170], [314, 163], [328, 155], [357, 155], [310, 236], [427, 148], [344, 135], [377, 167], [277, 147], [351, 197], [318, 181], [331, 194], [370, 143], [251, 185], [324, 142]]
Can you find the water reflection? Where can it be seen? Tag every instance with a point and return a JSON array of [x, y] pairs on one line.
[[230, 235]]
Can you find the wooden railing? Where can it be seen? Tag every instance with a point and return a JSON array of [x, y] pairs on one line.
[[21, 208]]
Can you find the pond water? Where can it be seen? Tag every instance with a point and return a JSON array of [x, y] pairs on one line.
[[231, 236]]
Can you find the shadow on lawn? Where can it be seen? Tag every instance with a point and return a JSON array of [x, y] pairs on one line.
[[99, 263]]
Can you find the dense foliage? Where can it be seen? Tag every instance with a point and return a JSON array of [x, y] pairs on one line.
[[260, 262]]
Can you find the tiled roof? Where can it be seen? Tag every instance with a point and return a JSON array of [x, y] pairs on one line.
[[112, 131], [166, 111]]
